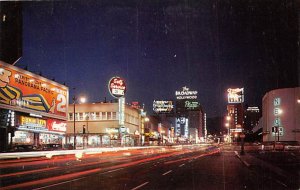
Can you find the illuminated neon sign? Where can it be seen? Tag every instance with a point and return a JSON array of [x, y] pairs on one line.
[[191, 105], [117, 87], [235, 95], [162, 106], [186, 93]]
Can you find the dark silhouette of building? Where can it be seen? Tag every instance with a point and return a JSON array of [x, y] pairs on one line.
[[10, 31], [252, 115]]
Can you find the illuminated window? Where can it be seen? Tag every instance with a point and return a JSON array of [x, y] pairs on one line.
[[104, 115], [80, 116], [114, 115], [109, 117], [97, 116]]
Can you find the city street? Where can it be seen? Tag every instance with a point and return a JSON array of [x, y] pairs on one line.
[[180, 167]]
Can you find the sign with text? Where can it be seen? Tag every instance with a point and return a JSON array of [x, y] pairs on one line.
[[191, 105], [186, 93], [56, 125], [161, 106], [117, 87], [24, 91], [235, 95]]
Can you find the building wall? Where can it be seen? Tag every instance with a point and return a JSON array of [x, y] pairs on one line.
[[100, 117], [236, 112], [289, 119]]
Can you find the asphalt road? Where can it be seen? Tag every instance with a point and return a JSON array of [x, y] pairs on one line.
[[190, 167]]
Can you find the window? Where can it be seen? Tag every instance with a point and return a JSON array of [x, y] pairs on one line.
[[109, 117], [114, 115], [80, 116], [104, 115], [97, 115]]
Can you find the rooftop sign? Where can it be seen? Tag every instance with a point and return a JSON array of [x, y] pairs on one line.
[[117, 87], [235, 95], [186, 93]]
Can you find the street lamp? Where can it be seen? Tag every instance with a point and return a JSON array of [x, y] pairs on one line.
[[74, 117], [228, 118], [146, 129]]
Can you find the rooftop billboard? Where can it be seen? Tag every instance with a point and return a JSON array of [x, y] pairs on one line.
[[24, 91], [235, 95]]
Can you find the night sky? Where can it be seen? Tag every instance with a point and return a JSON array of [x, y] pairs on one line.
[[159, 47]]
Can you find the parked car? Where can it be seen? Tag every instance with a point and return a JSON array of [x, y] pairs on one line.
[[23, 148], [51, 147]]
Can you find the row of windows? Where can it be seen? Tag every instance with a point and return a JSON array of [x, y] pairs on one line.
[[93, 116]]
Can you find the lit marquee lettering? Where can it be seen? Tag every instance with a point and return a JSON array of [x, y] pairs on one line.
[[191, 104], [186, 94], [117, 87], [235, 95], [162, 106]]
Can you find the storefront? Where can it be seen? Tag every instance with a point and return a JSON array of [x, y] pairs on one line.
[[38, 131], [33, 109]]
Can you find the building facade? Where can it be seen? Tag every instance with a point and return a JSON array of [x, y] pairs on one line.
[[97, 124], [281, 115], [33, 109], [252, 115]]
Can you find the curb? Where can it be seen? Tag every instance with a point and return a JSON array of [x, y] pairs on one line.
[[243, 161]]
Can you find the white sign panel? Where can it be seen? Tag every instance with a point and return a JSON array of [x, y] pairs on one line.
[[235, 95], [162, 106]]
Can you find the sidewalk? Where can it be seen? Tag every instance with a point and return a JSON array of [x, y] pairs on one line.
[[286, 179]]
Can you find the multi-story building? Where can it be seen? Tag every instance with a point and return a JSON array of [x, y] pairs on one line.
[[33, 109], [97, 124], [252, 115], [236, 113], [281, 115]]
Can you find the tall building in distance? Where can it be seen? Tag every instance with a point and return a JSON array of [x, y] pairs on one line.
[[10, 31], [235, 111], [252, 115]]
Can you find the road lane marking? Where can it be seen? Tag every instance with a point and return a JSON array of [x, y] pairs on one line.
[[281, 183], [181, 165], [27, 172], [113, 170], [167, 172], [140, 186], [59, 183], [246, 163]]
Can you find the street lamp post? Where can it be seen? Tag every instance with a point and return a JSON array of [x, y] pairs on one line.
[[82, 100], [74, 102], [228, 118]]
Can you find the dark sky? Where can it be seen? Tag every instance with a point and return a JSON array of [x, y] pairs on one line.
[[159, 47]]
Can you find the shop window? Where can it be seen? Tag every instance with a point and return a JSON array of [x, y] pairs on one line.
[[71, 116]]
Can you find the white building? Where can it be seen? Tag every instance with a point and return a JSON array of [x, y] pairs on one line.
[[281, 115], [97, 124]]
